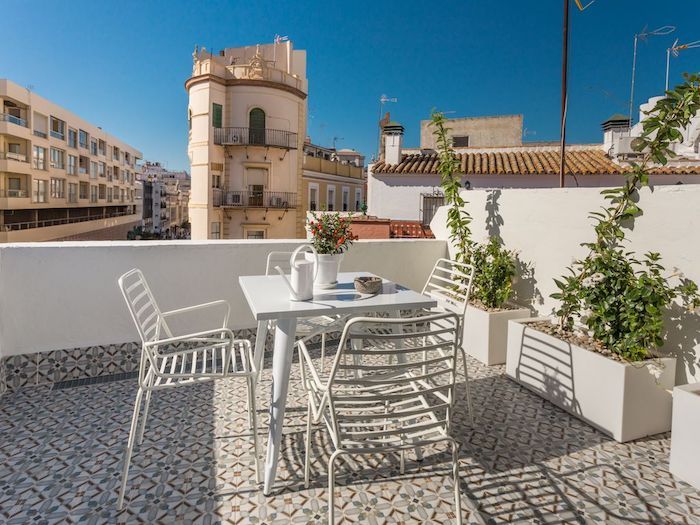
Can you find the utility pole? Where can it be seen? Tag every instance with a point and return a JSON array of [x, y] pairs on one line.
[[564, 67]]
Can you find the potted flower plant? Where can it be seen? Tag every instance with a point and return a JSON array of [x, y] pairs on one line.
[[331, 236], [600, 359], [490, 307]]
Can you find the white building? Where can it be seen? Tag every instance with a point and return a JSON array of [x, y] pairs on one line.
[[247, 114], [165, 198], [407, 186]]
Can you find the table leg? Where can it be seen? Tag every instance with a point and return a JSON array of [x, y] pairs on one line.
[[259, 352], [285, 334]]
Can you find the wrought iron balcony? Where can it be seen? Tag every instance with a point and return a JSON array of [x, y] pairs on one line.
[[277, 138], [255, 199]]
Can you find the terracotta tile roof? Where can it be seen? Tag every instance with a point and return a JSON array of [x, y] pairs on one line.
[[591, 161]]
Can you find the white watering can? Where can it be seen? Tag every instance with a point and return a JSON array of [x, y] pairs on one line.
[[303, 273]]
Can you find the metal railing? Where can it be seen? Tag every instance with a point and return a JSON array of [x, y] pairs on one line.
[[255, 137], [58, 135], [8, 155], [6, 117], [16, 226], [255, 199], [14, 193], [40, 134]]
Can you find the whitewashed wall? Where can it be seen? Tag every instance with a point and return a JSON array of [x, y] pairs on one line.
[[65, 295], [547, 226]]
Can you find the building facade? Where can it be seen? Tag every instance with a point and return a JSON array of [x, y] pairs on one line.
[[332, 180], [165, 197], [477, 132], [60, 176], [247, 122]]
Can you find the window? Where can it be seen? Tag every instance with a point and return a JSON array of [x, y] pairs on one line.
[[84, 189], [216, 181], [313, 197], [58, 158], [255, 194], [72, 138], [93, 147], [14, 187], [101, 147], [72, 164], [216, 230], [189, 120], [39, 193], [72, 192], [83, 138], [330, 206], [58, 128], [216, 115], [58, 188], [101, 169], [93, 193], [346, 199], [102, 191], [460, 141], [358, 199], [256, 123], [431, 203], [39, 158], [109, 194], [115, 153], [255, 234], [127, 156], [93, 170]]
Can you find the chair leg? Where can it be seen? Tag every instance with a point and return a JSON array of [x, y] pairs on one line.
[[130, 447], [307, 447], [456, 480], [253, 417], [144, 417], [323, 350], [467, 388], [331, 486]]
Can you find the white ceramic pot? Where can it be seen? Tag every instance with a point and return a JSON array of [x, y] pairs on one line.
[[623, 400], [328, 265]]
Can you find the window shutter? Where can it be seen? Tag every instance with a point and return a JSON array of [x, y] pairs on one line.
[[217, 115]]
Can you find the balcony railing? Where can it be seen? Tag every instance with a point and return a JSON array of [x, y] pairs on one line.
[[58, 135], [255, 199], [277, 138], [6, 117], [41, 134], [8, 155], [57, 222], [14, 193]]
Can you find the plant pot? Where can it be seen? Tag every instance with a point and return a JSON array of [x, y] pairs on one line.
[[685, 460], [328, 265], [486, 333], [622, 400]]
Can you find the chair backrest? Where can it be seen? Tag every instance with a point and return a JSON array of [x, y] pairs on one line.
[[142, 305], [450, 283], [280, 259], [392, 378]]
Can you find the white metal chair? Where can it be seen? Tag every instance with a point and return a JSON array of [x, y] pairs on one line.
[[395, 393], [306, 328], [169, 361], [450, 284]]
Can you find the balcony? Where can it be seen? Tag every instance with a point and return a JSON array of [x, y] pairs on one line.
[[17, 226], [6, 117], [8, 155], [255, 199], [41, 134], [14, 194], [276, 138]]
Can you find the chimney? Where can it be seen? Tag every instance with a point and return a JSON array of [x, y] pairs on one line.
[[614, 128], [393, 138]]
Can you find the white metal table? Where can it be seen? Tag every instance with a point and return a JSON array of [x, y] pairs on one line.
[[268, 298]]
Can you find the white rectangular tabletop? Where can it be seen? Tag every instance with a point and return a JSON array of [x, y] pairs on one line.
[[268, 298]]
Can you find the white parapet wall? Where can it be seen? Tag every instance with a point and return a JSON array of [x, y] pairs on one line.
[[64, 295], [547, 226]]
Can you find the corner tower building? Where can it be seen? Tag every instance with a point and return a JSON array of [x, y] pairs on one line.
[[247, 124]]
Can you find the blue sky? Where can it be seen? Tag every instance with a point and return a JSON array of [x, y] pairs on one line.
[[122, 64]]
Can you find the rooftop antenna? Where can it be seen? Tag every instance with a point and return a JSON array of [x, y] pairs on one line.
[[336, 139], [643, 35], [382, 100], [675, 50]]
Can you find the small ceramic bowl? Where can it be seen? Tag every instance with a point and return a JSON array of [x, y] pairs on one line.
[[369, 285]]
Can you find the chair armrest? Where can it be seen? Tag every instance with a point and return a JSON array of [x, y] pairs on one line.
[[202, 306], [196, 336]]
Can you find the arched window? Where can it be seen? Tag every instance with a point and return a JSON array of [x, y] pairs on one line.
[[256, 123]]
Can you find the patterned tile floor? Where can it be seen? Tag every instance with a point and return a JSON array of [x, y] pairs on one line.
[[524, 461]]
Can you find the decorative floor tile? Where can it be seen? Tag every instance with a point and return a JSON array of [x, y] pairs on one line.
[[523, 461]]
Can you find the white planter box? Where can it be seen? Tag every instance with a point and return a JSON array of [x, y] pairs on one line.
[[685, 434], [623, 400], [486, 333]]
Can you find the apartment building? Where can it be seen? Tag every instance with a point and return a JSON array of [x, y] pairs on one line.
[[166, 196], [333, 180], [60, 176], [247, 122]]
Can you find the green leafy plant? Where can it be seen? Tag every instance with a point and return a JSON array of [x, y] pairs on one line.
[[330, 233], [494, 270], [494, 266], [618, 297]]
